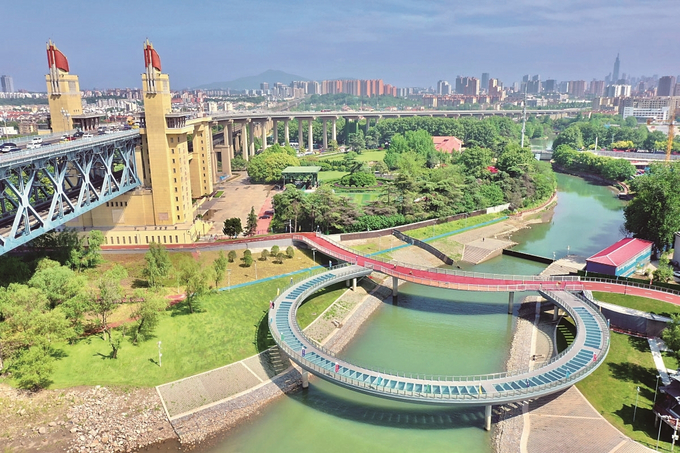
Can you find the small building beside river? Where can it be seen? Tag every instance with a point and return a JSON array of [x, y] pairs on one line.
[[622, 258]]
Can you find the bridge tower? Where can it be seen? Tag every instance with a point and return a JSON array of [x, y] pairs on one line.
[[63, 91], [175, 162]]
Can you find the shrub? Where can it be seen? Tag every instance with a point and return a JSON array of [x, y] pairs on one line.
[[248, 260], [290, 252], [231, 256], [275, 250], [264, 254], [360, 179]]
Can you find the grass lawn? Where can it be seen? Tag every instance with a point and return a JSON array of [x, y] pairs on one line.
[[231, 327], [611, 389], [219, 194], [315, 305], [639, 303], [361, 198], [325, 176], [443, 228], [366, 156]]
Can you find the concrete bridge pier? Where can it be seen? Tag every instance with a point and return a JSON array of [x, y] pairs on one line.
[[300, 141], [487, 417], [354, 284], [244, 141], [556, 312], [511, 301], [310, 136], [334, 133], [264, 135], [286, 132], [305, 379], [325, 134], [275, 131], [395, 286]]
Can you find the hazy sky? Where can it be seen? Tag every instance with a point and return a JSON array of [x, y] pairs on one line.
[[406, 43]]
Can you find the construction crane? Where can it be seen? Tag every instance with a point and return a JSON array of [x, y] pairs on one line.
[[671, 133]]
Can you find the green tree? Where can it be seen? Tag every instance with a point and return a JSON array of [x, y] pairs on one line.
[[275, 250], [617, 169], [150, 305], [33, 368], [109, 295], [251, 224], [654, 212], [267, 166], [232, 227], [13, 270], [220, 267], [231, 256], [195, 282], [571, 137], [158, 264], [476, 160], [248, 260], [290, 252], [264, 254], [664, 272], [671, 335], [280, 257], [356, 141]]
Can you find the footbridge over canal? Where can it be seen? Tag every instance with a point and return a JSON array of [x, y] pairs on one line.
[[584, 355]]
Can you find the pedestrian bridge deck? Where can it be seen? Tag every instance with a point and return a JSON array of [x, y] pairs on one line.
[[584, 355]]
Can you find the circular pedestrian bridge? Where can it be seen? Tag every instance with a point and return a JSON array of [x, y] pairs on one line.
[[582, 357]]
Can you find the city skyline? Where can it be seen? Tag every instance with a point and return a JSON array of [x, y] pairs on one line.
[[405, 44]]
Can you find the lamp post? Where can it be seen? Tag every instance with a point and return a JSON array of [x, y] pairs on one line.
[[314, 255], [658, 435], [255, 269], [637, 395], [656, 388], [229, 279], [160, 355]]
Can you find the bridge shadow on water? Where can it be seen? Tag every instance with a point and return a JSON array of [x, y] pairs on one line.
[[498, 304], [323, 397]]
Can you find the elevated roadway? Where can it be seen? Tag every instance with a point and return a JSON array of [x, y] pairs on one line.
[[43, 188]]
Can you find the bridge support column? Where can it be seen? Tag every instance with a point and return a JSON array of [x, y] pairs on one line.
[[348, 283], [276, 131], [263, 124], [487, 417], [310, 137], [251, 133], [354, 284], [300, 138], [244, 141], [556, 312], [395, 286], [368, 124], [305, 379], [334, 130], [325, 134], [511, 300], [286, 132]]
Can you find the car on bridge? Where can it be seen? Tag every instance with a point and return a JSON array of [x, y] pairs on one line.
[[36, 140], [5, 147], [33, 145]]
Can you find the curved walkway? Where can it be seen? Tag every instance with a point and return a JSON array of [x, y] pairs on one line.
[[584, 355]]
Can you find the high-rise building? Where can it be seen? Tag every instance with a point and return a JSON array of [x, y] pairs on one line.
[[666, 86], [485, 79], [550, 86], [615, 73], [472, 86], [577, 88], [460, 85], [443, 87], [264, 86], [7, 84], [597, 88]]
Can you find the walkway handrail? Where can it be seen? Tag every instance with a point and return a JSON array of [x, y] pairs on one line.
[[632, 284]]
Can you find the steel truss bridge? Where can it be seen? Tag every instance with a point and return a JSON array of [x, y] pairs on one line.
[[44, 188]]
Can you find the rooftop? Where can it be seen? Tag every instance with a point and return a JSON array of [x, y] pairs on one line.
[[617, 254], [299, 170]]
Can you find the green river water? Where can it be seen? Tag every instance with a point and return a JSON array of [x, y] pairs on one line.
[[429, 331]]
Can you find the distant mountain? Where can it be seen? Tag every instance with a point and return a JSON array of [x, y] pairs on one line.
[[253, 82]]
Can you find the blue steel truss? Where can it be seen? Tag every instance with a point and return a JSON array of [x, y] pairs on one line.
[[44, 188]]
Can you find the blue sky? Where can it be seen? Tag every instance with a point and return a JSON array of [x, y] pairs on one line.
[[406, 43]]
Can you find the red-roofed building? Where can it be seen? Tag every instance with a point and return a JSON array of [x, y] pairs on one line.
[[622, 258], [447, 144]]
